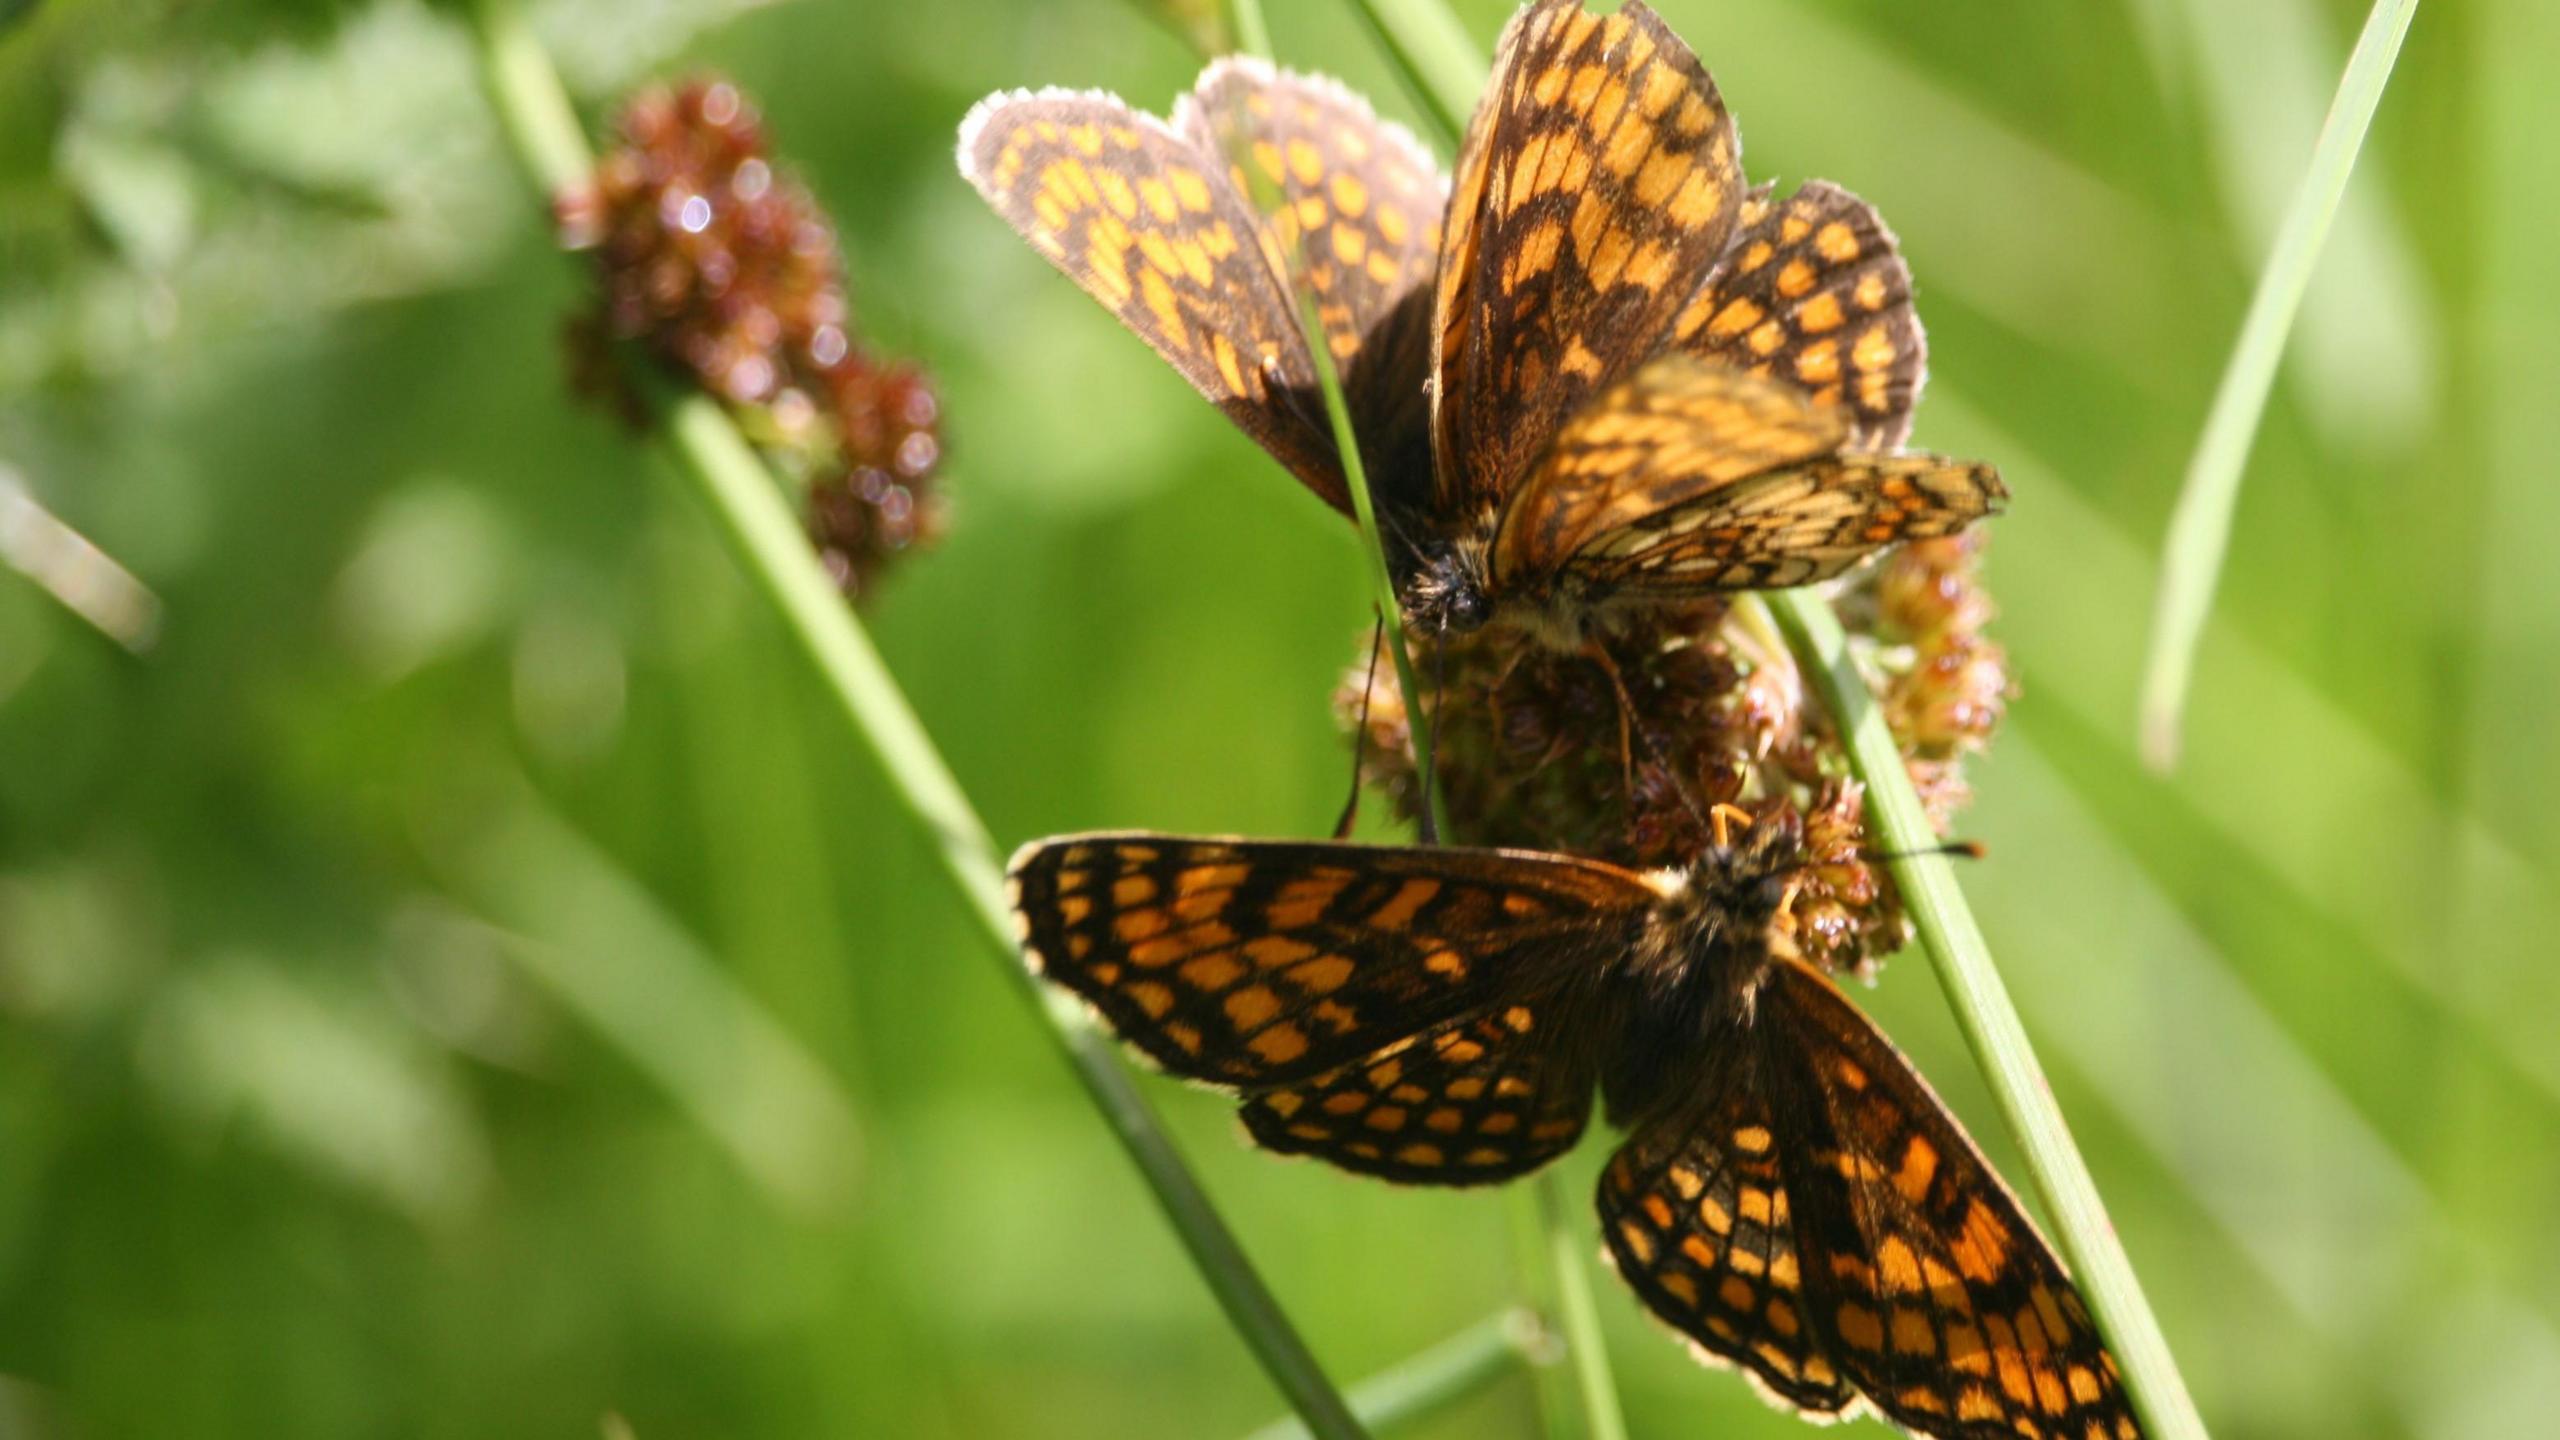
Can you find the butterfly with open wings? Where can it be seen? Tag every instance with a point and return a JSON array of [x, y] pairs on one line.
[[1791, 1197], [1599, 370]]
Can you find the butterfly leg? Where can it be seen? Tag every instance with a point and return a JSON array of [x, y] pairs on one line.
[[1599, 655]]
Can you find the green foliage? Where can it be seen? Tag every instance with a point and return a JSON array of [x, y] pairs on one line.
[[456, 983]]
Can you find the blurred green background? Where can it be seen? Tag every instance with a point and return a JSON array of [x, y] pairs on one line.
[[462, 981]]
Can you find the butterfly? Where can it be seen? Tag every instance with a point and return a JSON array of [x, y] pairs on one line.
[[1790, 1197], [1598, 370]]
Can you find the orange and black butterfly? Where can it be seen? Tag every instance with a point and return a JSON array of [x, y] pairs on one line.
[[1791, 1197], [1598, 369]]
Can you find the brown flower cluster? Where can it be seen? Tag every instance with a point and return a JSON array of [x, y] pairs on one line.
[[1623, 749], [715, 264]]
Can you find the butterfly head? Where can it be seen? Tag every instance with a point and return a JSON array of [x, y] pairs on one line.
[[1445, 594]]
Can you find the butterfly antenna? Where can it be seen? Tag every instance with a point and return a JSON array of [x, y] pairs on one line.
[[1956, 849], [1360, 732]]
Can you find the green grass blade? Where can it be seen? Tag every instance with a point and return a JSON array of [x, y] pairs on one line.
[[1422, 1385], [2200, 527], [767, 541]]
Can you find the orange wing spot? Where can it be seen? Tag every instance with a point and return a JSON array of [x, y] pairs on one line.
[[1345, 1102], [1079, 946], [1165, 949], [1118, 194], [1280, 1044], [1859, 1326], [1322, 975], [1267, 156], [1795, 227], [1922, 1399], [1919, 1168], [2005, 1359], [1638, 1243], [1737, 1294], [1753, 1202], [1752, 1140], [1214, 971], [1183, 1035], [1795, 279], [1820, 315], [1422, 1152], [1230, 373], [1976, 1403], [1446, 962], [1252, 1007], [1870, 293], [1306, 163], [1136, 925], [1167, 310], [2049, 1393], [1337, 1017], [1981, 1247], [1836, 242], [1651, 267], [1189, 188], [2084, 1384], [1386, 1117], [1409, 1094], [1736, 317], [1284, 1103], [1965, 1350], [1465, 1087], [1899, 1267], [1697, 1249], [1767, 337], [1747, 1262], [1407, 902], [2050, 1313], [1713, 1215], [1659, 1209], [1154, 998], [1501, 1122], [1444, 1120], [1302, 902], [1874, 350], [1912, 1334], [1660, 176], [1681, 1287], [1508, 1087], [1519, 1018], [1074, 908], [1782, 1271], [1686, 1181]]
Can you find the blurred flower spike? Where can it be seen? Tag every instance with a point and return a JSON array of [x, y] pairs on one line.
[[722, 267], [1621, 750]]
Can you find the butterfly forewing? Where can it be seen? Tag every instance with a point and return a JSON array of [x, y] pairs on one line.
[[1697, 1219], [1813, 290], [1150, 223], [1482, 1099], [1257, 964], [1929, 1286], [1600, 177]]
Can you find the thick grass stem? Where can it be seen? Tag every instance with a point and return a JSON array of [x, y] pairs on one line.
[[768, 542]]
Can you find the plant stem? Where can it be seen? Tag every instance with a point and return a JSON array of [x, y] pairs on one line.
[[1990, 1020], [1937, 907], [1244, 17], [768, 543], [1568, 1255], [1424, 1384], [2200, 527]]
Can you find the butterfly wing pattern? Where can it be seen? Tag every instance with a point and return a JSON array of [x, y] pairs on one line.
[[1597, 252], [1791, 1198], [1157, 219], [1599, 178]]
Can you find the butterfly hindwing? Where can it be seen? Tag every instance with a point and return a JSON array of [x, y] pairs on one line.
[[1813, 290], [1697, 1219], [1691, 477], [1150, 223], [1353, 204], [1486, 1098], [1675, 430], [1933, 1292], [1253, 964], [1600, 176]]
